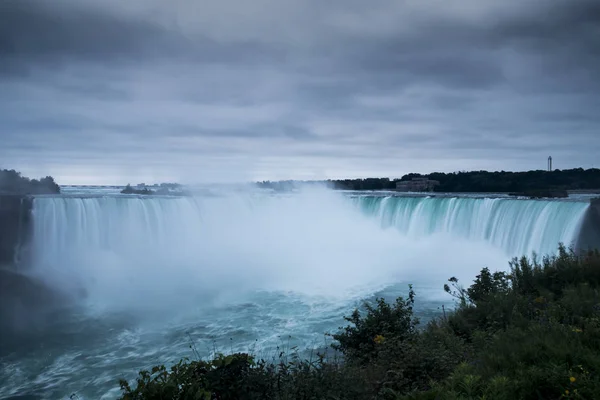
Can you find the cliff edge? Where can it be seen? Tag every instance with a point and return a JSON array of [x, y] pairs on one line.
[[589, 237], [15, 224]]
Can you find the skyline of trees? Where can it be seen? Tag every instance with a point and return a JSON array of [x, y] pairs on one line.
[[470, 181], [12, 182]]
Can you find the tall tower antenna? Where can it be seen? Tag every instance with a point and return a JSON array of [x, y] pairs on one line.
[[549, 163]]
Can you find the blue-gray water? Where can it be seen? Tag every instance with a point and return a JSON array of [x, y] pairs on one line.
[[247, 272]]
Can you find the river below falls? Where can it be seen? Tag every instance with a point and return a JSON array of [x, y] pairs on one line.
[[83, 355], [172, 277]]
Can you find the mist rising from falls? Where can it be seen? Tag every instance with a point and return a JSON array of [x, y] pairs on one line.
[[157, 252], [519, 227]]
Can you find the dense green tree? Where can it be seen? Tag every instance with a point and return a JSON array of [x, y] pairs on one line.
[[472, 181], [12, 182]]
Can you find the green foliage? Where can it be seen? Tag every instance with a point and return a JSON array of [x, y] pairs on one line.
[[504, 181], [226, 378], [530, 183], [555, 273], [364, 184], [385, 342], [12, 182], [362, 339], [130, 190], [532, 333], [239, 377]]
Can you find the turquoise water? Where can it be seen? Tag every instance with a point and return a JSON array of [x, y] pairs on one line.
[[519, 227], [247, 272]]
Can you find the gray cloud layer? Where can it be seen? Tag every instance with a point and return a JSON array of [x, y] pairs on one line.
[[114, 91]]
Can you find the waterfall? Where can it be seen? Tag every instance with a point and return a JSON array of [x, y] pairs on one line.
[[133, 225], [117, 224], [121, 249], [146, 275], [519, 227]]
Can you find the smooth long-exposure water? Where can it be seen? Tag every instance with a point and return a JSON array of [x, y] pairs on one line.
[[246, 272]]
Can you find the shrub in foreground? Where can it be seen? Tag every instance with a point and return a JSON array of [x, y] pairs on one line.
[[532, 333]]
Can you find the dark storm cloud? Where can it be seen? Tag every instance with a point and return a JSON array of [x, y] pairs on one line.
[[573, 22], [563, 41], [439, 49], [57, 33], [33, 31], [560, 40], [404, 85]]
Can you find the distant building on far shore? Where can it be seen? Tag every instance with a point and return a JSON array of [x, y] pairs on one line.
[[416, 185]]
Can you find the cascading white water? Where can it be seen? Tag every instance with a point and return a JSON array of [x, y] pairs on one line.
[[253, 268], [130, 225], [123, 249], [519, 227], [314, 241]]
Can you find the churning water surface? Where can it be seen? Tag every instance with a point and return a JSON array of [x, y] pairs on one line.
[[247, 272]]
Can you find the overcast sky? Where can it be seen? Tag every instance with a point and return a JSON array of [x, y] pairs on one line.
[[113, 91]]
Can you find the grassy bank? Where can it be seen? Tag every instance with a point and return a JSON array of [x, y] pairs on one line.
[[533, 333]]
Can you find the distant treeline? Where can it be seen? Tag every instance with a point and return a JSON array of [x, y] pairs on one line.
[[484, 181], [474, 181], [345, 184], [162, 189], [12, 182]]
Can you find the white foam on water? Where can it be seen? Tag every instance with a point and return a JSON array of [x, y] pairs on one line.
[[134, 252], [244, 272]]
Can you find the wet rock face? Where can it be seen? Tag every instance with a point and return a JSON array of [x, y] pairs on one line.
[[25, 303], [15, 226], [589, 237], [595, 206]]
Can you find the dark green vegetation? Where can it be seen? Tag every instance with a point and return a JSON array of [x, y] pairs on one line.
[[533, 333], [15, 210], [538, 194], [11, 182], [364, 184], [162, 189], [530, 183], [483, 181], [345, 184], [130, 190]]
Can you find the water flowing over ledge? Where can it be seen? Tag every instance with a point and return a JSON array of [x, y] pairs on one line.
[[247, 269], [129, 224], [518, 227]]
